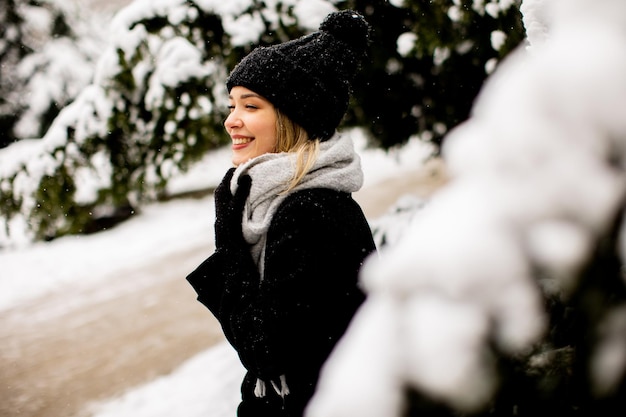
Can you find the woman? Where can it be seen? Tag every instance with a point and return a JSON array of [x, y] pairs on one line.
[[290, 240]]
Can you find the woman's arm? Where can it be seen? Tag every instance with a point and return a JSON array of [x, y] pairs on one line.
[[222, 279]]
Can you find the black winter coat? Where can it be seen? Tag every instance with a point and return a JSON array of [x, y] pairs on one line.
[[288, 323]]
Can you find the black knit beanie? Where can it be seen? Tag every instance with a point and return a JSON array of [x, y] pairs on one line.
[[309, 78]]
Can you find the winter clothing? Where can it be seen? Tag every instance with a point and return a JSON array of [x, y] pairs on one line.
[[316, 237], [309, 79], [337, 167], [283, 280]]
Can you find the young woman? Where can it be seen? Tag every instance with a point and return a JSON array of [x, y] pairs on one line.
[[290, 240]]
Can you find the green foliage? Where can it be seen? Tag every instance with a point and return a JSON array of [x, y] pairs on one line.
[[158, 102], [557, 376], [22, 38], [156, 122], [136, 127], [431, 88], [50, 197], [9, 53]]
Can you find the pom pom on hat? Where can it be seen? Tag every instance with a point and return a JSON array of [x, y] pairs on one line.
[[309, 78], [349, 27]]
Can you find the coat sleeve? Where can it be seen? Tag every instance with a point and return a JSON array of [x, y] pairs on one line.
[[208, 281], [315, 247], [226, 282], [229, 276]]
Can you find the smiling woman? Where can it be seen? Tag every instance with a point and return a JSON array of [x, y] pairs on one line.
[[290, 239], [251, 124]]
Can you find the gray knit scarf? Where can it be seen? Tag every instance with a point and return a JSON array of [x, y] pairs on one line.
[[337, 167]]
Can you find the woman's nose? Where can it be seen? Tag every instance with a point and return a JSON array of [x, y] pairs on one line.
[[232, 120]]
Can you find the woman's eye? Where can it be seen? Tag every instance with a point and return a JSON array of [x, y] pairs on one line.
[[232, 107]]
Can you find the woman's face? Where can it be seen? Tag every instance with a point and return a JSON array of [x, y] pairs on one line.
[[251, 125]]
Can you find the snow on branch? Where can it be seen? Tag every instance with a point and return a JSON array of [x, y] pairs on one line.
[[536, 190]]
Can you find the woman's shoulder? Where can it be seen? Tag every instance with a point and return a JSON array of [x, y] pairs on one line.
[[320, 205], [318, 199], [324, 218]]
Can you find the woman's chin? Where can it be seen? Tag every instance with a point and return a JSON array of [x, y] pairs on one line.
[[239, 159]]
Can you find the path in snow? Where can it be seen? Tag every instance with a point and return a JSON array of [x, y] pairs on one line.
[[88, 343], [84, 343]]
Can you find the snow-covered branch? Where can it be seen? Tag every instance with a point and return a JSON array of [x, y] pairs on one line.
[[536, 185]]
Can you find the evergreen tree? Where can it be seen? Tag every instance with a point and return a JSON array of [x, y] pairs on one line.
[[156, 104], [157, 100], [429, 61], [505, 294], [46, 56]]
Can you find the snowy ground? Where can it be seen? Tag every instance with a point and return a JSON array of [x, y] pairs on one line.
[[205, 385], [208, 383]]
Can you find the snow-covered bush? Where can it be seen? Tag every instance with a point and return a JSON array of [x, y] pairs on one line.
[[506, 295], [156, 104], [156, 101], [389, 228], [47, 52], [429, 61]]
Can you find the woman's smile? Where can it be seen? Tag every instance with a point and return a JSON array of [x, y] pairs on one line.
[[241, 140]]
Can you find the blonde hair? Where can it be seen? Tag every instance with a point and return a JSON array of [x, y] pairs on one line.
[[291, 137]]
